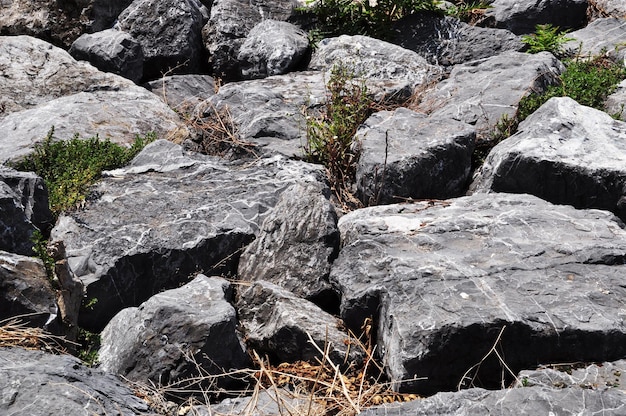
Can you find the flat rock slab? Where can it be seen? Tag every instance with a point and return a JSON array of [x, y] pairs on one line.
[[166, 216], [443, 279], [564, 153], [41, 384], [599, 37]]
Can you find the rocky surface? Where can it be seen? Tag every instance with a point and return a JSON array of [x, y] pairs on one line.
[[606, 8], [602, 36], [615, 103], [601, 376], [522, 17], [183, 92]]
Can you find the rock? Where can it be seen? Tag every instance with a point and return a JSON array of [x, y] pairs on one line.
[[616, 102], [116, 115], [25, 291], [371, 58], [278, 324], [103, 13], [483, 91], [272, 48], [167, 338], [445, 40], [111, 51], [602, 376], [525, 401], [35, 72], [273, 401], [297, 242], [405, 155], [168, 215], [602, 36], [183, 92], [24, 208], [607, 8], [170, 33], [230, 23], [41, 384], [522, 17], [564, 153], [446, 281]]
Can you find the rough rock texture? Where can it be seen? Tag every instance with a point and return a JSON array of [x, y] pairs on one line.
[[35, 72], [230, 23], [170, 33], [522, 16], [443, 279], [278, 324], [404, 154], [266, 403], [183, 92], [111, 51], [371, 58], [616, 103], [169, 335], [482, 91], [40, 384], [117, 115], [25, 291], [102, 14], [169, 215], [522, 401], [297, 243], [24, 209], [599, 376], [564, 153], [272, 48], [608, 8], [445, 40], [600, 36]]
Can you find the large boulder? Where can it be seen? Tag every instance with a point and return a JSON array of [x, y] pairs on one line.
[[167, 215], [447, 281], [602, 36], [564, 153], [41, 384], [183, 92], [170, 33], [405, 155], [167, 338]]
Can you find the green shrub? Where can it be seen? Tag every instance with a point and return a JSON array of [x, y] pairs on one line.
[[547, 38]]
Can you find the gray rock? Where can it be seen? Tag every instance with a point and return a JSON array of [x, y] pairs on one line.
[[168, 215], [445, 40], [271, 401], [116, 115], [172, 334], [595, 376], [111, 51], [602, 36], [183, 92], [41, 384], [170, 33], [616, 102], [297, 243], [278, 324], [607, 8], [272, 48], [102, 14], [522, 17], [483, 91], [443, 279], [522, 401], [564, 153], [371, 58], [404, 155]]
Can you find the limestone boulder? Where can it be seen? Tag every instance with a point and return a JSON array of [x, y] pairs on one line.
[[600, 376], [607, 8], [615, 104], [602, 36], [183, 92]]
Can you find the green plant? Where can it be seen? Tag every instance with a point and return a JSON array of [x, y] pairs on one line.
[[468, 11], [547, 38], [89, 343], [40, 247]]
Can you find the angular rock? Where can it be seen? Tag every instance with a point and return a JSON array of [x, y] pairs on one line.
[[602, 36], [526, 401], [173, 333], [151, 225], [267, 402], [102, 14], [446, 281], [602, 376], [272, 48], [405, 155], [297, 243], [616, 102], [183, 92], [607, 8], [522, 17], [371, 58], [564, 153], [483, 91], [278, 324], [170, 34], [111, 51], [445, 40], [41, 384]]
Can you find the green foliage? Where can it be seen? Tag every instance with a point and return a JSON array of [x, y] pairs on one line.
[[69, 167], [547, 38], [40, 247], [468, 11], [89, 344]]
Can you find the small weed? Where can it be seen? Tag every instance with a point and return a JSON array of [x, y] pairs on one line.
[[468, 11], [40, 247], [89, 343], [547, 38]]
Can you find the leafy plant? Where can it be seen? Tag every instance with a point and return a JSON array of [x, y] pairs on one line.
[[89, 344], [40, 247], [468, 11], [547, 38]]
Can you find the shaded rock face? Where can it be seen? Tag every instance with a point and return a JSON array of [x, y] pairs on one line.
[[168, 336], [602, 36], [404, 155], [183, 92], [564, 153], [444, 279], [40, 384], [169, 215]]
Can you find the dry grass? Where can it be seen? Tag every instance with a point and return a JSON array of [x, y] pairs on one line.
[[14, 332]]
